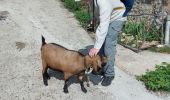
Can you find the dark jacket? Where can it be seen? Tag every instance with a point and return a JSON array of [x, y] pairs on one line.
[[128, 4]]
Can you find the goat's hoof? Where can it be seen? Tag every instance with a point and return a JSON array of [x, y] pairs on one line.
[[46, 84], [65, 91], [84, 90]]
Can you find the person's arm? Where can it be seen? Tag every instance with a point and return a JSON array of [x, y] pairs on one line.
[[101, 32]]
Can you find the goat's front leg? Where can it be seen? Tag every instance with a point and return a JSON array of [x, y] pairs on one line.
[[87, 80], [66, 86], [82, 84], [82, 87]]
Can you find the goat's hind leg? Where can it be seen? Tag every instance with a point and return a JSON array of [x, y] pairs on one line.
[[45, 79], [45, 74]]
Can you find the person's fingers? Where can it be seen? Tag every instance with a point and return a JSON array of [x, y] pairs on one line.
[[91, 53], [95, 53]]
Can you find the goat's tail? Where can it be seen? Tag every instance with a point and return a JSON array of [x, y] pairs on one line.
[[43, 41]]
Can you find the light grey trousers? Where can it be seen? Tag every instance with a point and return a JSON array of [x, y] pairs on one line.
[[109, 47]]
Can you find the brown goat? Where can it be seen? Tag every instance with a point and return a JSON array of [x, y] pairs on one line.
[[68, 61]]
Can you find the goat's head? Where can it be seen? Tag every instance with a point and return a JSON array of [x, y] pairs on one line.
[[94, 62]]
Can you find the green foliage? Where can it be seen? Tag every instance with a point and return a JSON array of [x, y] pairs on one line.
[[83, 17], [134, 28], [72, 5], [153, 33], [142, 31], [165, 49], [79, 10], [158, 80], [136, 32]]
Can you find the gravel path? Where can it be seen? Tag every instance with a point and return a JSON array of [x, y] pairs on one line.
[[20, 63]]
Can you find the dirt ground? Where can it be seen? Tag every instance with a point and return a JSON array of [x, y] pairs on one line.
[[20, 63]]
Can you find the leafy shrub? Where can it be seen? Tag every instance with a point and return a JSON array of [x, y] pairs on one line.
[[158, 79]]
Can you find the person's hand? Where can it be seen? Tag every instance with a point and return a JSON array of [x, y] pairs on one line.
[[93, 52]]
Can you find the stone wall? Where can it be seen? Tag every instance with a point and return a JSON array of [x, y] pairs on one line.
[[151, 6]]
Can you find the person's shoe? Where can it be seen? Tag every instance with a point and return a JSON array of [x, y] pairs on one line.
[[101, 72], [107, 80]]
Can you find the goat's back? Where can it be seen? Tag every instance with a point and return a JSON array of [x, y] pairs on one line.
[[60, 58]]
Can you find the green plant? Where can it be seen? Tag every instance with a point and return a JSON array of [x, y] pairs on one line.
[[158, 80], [142, 30], [136, 32], [134, 28], [80, 11], [153, 33], [83, 17], [72, 5]]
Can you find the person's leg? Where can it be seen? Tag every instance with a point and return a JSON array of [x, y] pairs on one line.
[[101, 52], [110, 51]]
